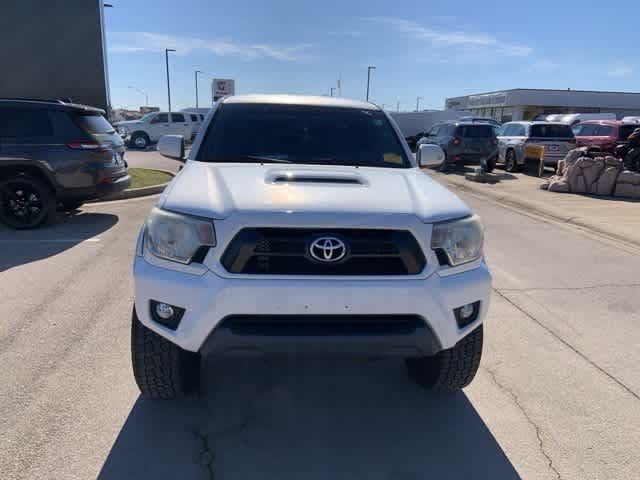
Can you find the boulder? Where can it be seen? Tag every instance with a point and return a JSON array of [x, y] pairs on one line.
[[559, 186], [606, 182], [627, 185], [584, 173]]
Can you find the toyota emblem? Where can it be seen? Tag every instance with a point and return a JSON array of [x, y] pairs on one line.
[[327, 249]]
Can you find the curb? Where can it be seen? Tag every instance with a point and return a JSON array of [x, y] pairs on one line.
[[137, 192], [532, 207]]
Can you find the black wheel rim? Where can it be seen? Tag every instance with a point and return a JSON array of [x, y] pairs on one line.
[[22, 204]]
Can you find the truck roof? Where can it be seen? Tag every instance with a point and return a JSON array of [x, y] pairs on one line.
[[302, 100]]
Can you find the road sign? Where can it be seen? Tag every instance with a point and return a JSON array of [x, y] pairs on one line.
[[222, 87]]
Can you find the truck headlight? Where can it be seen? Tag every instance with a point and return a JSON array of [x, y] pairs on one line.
[[459, 241], [177, 237]]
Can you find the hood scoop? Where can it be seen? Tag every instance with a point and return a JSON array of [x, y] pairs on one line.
[[314, 177]]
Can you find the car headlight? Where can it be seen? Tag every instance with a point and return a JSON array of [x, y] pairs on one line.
[[459, 241], [177, 237]]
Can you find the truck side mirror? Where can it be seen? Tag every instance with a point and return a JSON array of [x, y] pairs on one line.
[[172, 146]]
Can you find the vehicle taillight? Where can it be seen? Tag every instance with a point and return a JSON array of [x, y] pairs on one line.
[[456, 141], [94, 146]]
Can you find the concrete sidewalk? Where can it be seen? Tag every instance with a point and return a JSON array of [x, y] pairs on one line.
[[607, 216]]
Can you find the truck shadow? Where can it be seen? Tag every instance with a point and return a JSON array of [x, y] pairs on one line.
[[311, 419], [19, 247]]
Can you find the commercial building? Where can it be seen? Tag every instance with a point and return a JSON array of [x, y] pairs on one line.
[[54, 50], [527, 104]]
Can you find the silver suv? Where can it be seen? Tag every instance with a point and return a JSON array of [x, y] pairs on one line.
[[514, 138]]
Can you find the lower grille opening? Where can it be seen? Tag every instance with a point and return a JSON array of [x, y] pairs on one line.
[[322, 325]]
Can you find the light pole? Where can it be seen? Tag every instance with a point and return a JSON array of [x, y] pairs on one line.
[[146, 95], [418, 104], [398, 106], [196, 75], [369, 68], [166, 60], [332, 89]]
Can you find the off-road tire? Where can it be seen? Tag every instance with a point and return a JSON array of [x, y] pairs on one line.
[[46, 201], [162, 369], [452, 369], [510, 162], [139, 136]]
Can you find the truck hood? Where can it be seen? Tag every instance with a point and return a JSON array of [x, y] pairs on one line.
[[215, 190]]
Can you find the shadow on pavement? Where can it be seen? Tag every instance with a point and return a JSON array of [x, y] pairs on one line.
[[495, 176], [18, 247], [312, 419]]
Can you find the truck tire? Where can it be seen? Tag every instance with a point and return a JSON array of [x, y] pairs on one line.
[[140, 140], [26, 202], [449, 370], [161, 369]]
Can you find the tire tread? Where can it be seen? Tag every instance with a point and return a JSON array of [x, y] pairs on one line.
[[452, 369], [161, 369]]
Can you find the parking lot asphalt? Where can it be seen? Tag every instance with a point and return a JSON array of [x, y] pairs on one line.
[[557, 395]]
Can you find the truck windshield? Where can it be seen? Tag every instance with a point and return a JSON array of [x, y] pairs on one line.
[[259, 133]]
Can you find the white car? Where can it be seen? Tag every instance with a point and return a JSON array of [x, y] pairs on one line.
[[142, 133], [303, 226]]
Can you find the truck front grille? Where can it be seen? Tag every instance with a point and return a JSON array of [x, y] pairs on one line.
[[285, 251]]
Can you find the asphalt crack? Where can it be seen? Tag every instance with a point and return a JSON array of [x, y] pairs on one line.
[[537, 429], [207, 456], [619, 382]]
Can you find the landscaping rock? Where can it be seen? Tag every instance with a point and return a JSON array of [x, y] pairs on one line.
[[604, 176], [628, 185]]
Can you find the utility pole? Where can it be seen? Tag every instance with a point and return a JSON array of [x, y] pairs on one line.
[[166, 60], [332, 89], [398, 106], [196, 75], [418, 104], [340, 84], [371, 67]]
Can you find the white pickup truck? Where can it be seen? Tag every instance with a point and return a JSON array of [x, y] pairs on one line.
[[142, 133], [304, 226]]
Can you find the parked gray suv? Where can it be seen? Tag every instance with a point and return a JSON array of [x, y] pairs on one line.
[[464, 143], [55, 155]]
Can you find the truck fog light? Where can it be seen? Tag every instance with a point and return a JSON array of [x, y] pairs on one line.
[[164, 311], [166, 315], [467, 314]]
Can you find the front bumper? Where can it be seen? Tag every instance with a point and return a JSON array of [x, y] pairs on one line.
[[209, 299]]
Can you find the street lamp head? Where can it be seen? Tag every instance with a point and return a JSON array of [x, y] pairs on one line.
[[169, 49]]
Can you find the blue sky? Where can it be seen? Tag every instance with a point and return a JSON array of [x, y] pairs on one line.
[[420, 48]]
